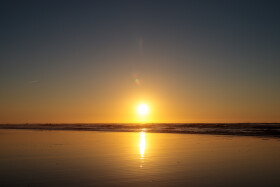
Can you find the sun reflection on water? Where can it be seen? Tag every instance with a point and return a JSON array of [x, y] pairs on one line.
[[142, 144]]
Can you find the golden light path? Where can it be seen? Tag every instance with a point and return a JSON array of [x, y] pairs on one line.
[[142, 144]]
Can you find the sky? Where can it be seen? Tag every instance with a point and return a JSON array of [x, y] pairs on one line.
[[95, 61]]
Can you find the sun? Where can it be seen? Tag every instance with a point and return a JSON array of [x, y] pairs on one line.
[[143, 109]]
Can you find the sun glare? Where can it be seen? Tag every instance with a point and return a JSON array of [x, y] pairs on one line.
[[143, 109]]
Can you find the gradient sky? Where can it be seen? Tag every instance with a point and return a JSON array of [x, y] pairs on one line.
[[90, 62]]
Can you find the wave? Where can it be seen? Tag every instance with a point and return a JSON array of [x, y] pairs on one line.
[[243, 129]]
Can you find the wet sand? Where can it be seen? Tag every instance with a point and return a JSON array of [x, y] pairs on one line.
[[88, 158]]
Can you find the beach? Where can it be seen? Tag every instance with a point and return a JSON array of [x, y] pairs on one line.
[[91, 158], [140, 94]]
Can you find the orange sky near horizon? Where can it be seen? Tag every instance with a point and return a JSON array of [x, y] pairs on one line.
[[119, 105]]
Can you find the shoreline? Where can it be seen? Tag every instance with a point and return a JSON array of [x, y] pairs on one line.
[[232, 129]]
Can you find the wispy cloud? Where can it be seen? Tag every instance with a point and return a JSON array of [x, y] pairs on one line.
[[33, 81]]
